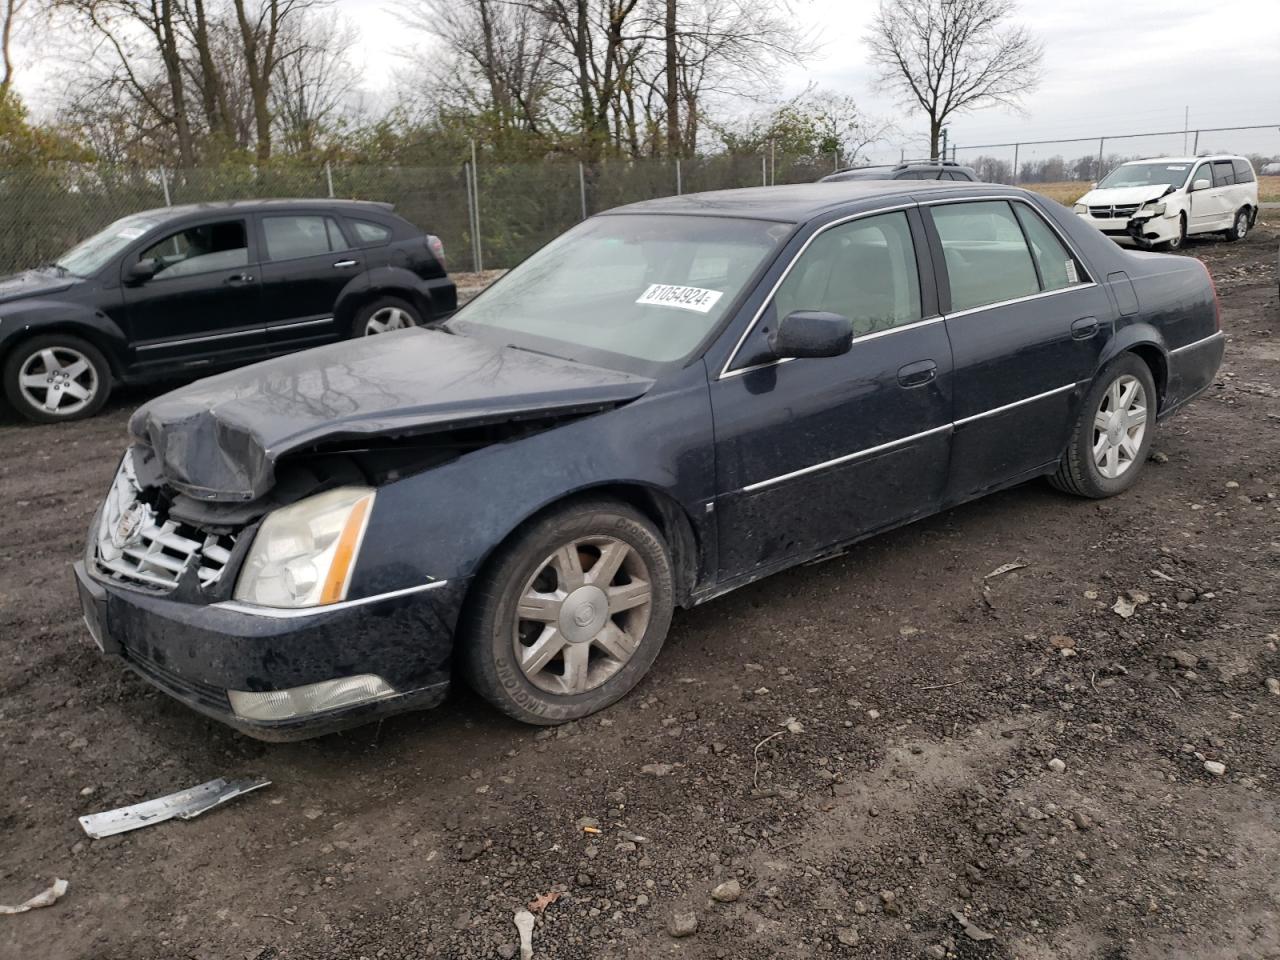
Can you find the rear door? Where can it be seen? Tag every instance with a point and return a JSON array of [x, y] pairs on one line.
[[203, 303], [1027, 326], [814, 452], [307, 260]]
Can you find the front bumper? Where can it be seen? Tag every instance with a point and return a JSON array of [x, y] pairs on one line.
[[1139, 230], [197, 652]]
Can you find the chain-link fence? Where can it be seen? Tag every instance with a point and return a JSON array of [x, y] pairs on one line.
[[495, 215], [510, 211]]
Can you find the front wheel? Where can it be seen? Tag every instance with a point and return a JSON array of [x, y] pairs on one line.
[[56, 377], [570, 615], [1112, 437], [1180, 241], [1239, 226]]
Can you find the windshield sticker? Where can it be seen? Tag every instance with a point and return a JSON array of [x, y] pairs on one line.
[[132, 233], [1072, 275], [1181, 168], [686, 298]]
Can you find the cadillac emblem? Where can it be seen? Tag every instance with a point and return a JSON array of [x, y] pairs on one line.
[[129, 527]]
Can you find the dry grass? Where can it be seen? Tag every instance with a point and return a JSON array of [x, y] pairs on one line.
[[1069, 191]]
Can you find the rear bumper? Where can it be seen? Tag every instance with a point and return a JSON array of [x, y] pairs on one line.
[[1192, 370], [196, 653]]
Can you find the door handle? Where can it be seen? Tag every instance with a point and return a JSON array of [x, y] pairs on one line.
[[238, 278], [346, 263], [917, 374], [1084, 328]]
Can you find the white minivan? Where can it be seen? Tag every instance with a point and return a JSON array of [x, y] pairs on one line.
[[1160, 202]]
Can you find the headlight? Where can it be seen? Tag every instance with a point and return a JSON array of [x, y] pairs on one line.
[[1080, 208], [1153, 208], [304, 553]]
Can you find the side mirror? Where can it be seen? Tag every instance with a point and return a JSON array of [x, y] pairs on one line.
[[1202, 184], [811, 333], [142, 271]]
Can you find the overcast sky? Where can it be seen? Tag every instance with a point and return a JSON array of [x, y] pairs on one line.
[[1110, 67]]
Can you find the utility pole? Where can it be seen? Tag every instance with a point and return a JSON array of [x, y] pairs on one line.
[[1186, 126]]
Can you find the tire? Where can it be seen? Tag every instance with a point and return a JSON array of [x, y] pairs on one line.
[[66, 371], [1080, 472], [1181, 240], [1239, 226], [616, 646], [385, 310]]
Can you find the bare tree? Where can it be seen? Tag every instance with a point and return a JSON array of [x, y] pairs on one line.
[[11, 12], [944, 57], [314, 84]]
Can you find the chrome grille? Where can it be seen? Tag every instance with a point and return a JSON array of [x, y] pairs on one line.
[[1119, 210], [137, 544]]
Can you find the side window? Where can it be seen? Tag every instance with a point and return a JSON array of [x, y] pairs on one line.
[[369, 233], [1244, 173], [986, 254], [1058, 268], [864, 270], [910, 175], [1223, 174], [291, 237], [200, 249], [1203, 172]]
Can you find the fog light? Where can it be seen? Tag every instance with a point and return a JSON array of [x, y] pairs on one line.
[[311, 699]]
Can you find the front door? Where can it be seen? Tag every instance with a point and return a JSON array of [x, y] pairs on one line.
[[201, 305], [1027, 326], [1211, 208], [306, 262], [811, 453]]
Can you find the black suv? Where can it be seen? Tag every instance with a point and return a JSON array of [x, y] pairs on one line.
[[911, 170], [170, 292]]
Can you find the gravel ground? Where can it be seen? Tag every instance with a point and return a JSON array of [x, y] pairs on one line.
[[885, 755]]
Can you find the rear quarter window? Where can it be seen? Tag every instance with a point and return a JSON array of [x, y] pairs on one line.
[[368, 233], [1244, 172]]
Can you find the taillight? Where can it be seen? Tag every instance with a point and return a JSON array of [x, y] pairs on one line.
[[436, 247]]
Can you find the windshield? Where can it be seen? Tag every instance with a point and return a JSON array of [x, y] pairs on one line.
[[626, 291], [90, 256], [1146, 175]]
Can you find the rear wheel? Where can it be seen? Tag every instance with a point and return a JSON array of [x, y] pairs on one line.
[[571, 614], [383, 316], [1112, 437], [1239, 226], [56, 377]]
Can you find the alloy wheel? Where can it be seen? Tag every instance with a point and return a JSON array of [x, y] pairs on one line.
[[1119, 426], [582, 615], [60, 381], [1242, 225], [386, 320]]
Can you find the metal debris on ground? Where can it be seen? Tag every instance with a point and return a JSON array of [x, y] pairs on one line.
[[45, 898], [1004, 568], [524, 924], [184, 805]]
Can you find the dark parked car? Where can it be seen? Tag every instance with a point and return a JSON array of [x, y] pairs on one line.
[[170, 292], [910, 170], [670, 401]]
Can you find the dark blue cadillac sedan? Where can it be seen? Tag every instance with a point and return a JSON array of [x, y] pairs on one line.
[[671, 400]]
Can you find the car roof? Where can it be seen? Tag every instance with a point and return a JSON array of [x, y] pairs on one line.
[[799, 202], [255, 206], [1207, 156]]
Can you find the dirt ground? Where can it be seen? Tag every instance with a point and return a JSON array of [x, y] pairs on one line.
[[918, 783]]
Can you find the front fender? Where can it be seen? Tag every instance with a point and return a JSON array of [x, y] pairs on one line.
[[28, 318]]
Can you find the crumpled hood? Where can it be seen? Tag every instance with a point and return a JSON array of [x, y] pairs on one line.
[[1123, 196], [32, 283], [219, 438]]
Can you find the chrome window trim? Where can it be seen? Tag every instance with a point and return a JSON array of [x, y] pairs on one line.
[[289, 613], [1198, 343], [1029, 297], [768, 300], [214, 336], [759, 485]]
